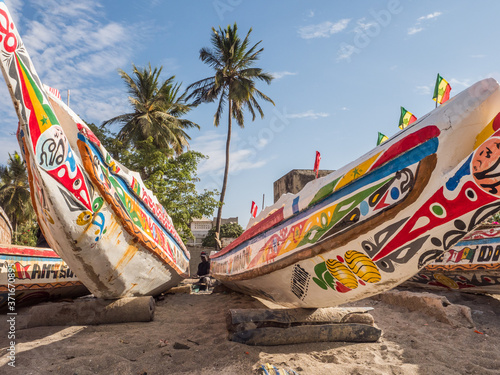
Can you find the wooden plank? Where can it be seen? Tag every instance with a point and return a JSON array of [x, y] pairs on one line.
[[89, 312], [271, 336], [242, 319]]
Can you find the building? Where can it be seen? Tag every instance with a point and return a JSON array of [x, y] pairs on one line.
[[5, 228], [295, 180], [200, 228]]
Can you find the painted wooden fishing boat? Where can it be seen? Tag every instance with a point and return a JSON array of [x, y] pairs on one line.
[[472, 265], [31, 275], [95, 213], [376, 222]]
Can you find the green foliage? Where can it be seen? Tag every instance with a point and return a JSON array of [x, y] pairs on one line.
[[234, 80], [228, 230], [233, 83], [171, 179], [26, 233], [493, 219], [157, 108], [14, 192]]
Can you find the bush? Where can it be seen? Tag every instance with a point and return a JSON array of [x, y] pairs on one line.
[[229, 230]]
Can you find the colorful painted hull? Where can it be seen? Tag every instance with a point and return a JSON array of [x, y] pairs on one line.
[[376, 222], [95, 214], [30, 275], [472, 265]]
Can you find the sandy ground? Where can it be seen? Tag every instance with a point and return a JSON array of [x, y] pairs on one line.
[[413, 342]]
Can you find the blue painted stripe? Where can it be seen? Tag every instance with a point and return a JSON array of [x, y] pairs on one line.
[[17, 258], [409, 158], [482, 241], [463, 171], [125, 187]]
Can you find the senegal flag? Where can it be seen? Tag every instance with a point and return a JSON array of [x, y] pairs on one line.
[[381, 138], [442, 90], [406, 118]]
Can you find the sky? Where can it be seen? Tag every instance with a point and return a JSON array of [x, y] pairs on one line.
[[342, 71]]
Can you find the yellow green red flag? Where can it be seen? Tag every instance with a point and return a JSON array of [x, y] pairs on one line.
[[442, 90], [406, 118], [381, 138]]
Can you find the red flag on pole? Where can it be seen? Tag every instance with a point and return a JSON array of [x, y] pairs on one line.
[[316, 163], [254, 209]]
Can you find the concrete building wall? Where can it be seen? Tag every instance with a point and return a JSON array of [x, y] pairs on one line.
[[5, 229], [295, 180], [195, 252], [200, 228]]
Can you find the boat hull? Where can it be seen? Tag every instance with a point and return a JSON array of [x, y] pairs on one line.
[[96, 214], [472, 265], [373, 224], [31, 275]]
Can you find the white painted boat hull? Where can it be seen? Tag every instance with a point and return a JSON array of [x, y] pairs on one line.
[[95, 214], [373, 224]]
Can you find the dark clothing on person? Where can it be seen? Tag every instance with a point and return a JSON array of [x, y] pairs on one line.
[[203, 268], [40, 239]]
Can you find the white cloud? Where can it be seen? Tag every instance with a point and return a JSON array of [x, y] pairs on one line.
[[310, 114], [243, 155], [323, 30], [464, 83], [15, 7], [478, 56], [417, 28], [362, 26], [424, 90], [429, 16], [345, 52], [74, 46], [414, 30], [278, 75]]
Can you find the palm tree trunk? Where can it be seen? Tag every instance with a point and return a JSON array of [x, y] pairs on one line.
[[224, 182]]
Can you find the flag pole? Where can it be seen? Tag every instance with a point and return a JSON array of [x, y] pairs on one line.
[[437, 94], [263, 195]]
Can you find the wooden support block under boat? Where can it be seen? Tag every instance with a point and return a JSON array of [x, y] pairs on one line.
[[346, 332], [90, 312], [294, 326]]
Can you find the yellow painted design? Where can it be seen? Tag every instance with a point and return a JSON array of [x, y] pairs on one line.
[[445, 280], [342, 273], [42, 119], [485, 134], [295, 237], [362, 266], [84, 218], [48, 217], [357, 171]]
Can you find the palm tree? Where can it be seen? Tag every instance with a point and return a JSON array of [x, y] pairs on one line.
[[233, 83], [14, 191], [157, 108]]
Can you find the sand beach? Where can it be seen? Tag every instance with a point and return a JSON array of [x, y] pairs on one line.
[[188, 336]]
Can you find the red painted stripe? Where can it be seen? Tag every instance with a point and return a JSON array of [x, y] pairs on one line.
[[260, 227], [496, 122], [446, 94], [410, 141], [28, 251]]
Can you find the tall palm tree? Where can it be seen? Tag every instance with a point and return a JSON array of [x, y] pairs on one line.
[[14, 191], [157, 110], [233, 83]]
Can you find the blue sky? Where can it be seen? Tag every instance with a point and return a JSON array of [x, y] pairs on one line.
[[342, 68]]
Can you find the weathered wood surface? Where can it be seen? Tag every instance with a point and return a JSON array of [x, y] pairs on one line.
[[90, 312], [241, 319], [346, 332]]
